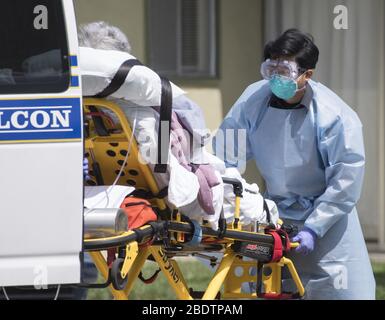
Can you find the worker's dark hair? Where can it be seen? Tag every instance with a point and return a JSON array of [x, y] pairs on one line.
[[294, 44]]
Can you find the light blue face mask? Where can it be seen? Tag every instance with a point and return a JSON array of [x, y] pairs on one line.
[[283, 87]]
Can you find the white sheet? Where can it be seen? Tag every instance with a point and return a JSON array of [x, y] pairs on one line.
[[102, 197], [142, 86]]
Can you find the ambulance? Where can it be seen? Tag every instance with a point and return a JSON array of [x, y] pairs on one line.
[[41, 145]]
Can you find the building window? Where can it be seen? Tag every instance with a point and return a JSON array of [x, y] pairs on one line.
[[182, 38], [34, 51]]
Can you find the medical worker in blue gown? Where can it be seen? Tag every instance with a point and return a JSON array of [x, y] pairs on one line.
[[308, 146]]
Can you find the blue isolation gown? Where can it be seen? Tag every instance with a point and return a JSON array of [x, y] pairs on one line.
[[312, 160]]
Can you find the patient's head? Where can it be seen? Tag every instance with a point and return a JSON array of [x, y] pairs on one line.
[[102, 35]]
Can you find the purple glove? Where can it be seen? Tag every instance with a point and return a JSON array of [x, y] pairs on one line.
[[306, 239], [85, 169]]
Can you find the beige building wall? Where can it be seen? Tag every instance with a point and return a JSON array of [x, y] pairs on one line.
[[240, 47], [241, 50]]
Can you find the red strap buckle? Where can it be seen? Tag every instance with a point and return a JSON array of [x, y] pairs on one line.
[[279, 248]]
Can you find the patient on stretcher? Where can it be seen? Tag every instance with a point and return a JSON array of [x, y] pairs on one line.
[[194, 177]]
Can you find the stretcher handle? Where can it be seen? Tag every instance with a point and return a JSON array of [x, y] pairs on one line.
[[294, 245], [148, 231], [238, 191], [237, 185]]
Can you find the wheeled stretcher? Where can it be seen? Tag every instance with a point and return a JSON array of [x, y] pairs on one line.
[[259, 254]]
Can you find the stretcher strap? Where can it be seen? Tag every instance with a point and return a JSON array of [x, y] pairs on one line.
[[197, 235], [266, 208], [148, 195], [100, 128], [278, 248], [165, 109], [103, 115], [164, 123], [222, 225], [119, 78]]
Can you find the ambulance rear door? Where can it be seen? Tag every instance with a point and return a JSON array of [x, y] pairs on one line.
[[41, 144]]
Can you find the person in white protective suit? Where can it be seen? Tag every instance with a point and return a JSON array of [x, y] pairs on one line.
[[103, 49]]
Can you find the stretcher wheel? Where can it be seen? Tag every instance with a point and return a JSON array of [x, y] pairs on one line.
[[118, 282]]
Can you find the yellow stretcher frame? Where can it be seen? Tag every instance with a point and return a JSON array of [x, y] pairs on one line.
[[135, 257]]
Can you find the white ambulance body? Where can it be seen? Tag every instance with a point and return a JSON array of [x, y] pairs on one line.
[[41, 145]]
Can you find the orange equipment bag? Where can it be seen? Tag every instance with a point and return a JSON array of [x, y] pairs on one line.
[[138, 211]]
